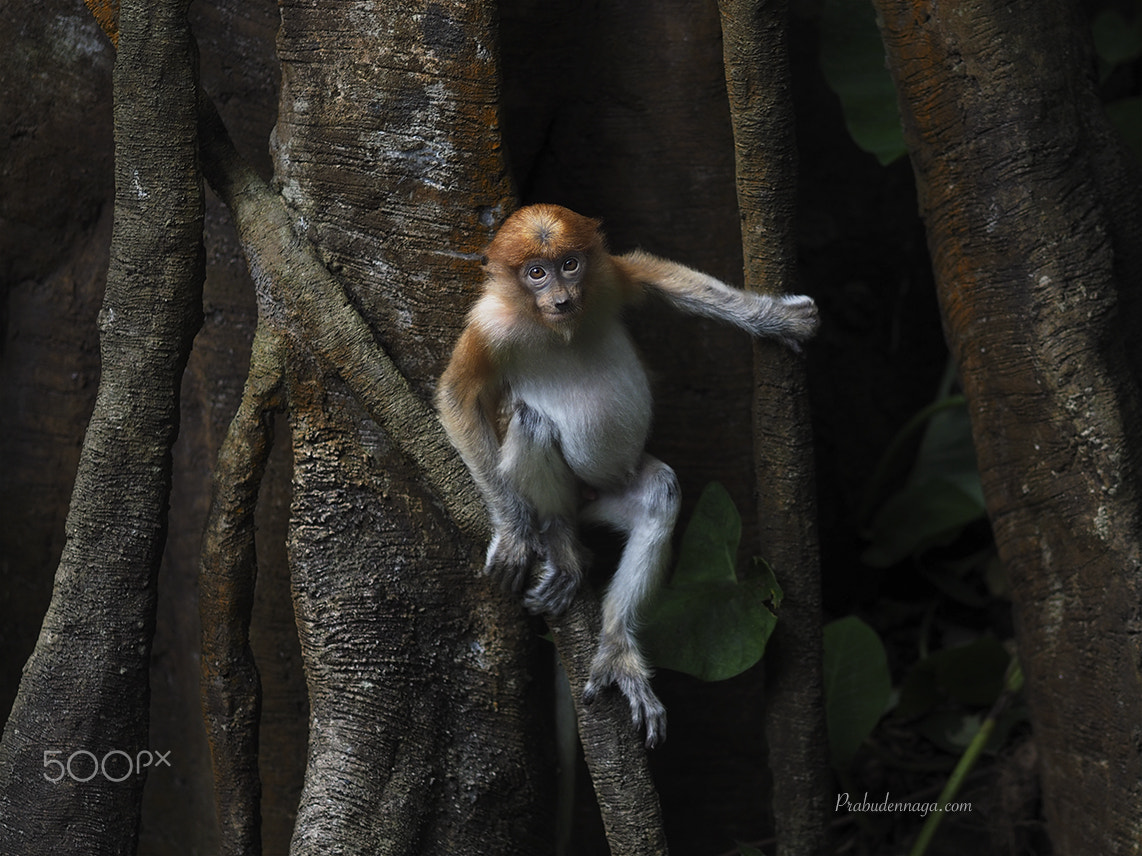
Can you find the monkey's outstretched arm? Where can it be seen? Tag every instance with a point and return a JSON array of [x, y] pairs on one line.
[[790, 319], [468, 397]]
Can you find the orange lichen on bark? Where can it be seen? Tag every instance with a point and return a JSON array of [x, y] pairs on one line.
[[106, 14]]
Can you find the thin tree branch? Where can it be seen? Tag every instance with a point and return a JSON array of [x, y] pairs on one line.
[[612, 748]]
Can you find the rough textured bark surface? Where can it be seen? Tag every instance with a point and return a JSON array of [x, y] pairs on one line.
[[85, 688], [380, 632], [1014, 163], [760, 93], [231, 683], [614, 752], [419, 689]]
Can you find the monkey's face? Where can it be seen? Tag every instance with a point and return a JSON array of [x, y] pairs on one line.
[[556, 286]]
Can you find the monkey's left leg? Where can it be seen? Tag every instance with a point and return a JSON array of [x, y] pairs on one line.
[[646, 509]]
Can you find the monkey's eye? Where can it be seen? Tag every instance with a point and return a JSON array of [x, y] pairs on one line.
[[536, 272], [570, 264]]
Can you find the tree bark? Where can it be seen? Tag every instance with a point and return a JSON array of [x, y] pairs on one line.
[[614, 752], [1015, 166], [231, 684], [423, 712], [85, 692], [761, 106]]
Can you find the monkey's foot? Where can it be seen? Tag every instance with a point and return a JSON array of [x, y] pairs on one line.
[[624, 667], [562, 569], [553, 593]]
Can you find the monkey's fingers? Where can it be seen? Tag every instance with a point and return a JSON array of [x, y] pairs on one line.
[[789, 319], [801, 319], [509, 559]]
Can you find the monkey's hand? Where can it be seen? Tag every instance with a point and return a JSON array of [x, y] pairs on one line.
[[619, 662], [513, 551], [790, 319]]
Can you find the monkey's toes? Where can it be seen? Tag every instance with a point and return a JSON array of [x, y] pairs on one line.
[[652, 717], [646, 711], [551, 595]]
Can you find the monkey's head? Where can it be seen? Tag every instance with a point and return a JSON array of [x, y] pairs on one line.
[[546, 253]]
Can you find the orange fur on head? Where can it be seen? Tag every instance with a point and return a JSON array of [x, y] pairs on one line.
[[543, 231]]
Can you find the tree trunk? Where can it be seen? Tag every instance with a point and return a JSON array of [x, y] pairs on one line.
[[760, 93], [423, 737], [76, 743], [1017, 177]]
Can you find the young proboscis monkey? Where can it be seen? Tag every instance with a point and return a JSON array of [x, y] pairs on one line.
[[548, 403]]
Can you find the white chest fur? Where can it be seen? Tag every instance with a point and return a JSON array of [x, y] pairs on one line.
[[596, 393]]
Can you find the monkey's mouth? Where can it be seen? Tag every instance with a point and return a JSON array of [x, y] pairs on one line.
[[561, 314]]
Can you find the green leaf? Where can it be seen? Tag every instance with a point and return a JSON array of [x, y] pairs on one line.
[[918, 517], [948, 452], [709, 548], [705, 622], [971, 674], [943, 493], [767, 580], [857, 685], [852, 58]]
